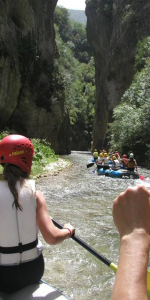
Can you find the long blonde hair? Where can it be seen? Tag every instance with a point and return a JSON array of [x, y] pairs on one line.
[[13, 174]]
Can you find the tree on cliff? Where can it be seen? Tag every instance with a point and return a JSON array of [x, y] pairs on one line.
[[74, 34], [76, 67]]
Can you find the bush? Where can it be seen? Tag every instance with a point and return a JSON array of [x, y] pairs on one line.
[[42, 157], [143, 53]]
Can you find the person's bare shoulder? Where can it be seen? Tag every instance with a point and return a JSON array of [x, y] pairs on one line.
[[40, 198]]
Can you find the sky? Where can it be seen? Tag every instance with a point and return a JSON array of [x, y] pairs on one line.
[[72, 4]]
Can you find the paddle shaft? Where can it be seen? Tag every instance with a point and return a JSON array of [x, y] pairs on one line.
[[100, 256], [86, 246]]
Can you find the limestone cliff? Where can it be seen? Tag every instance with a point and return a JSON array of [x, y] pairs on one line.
[[114, 28], [31, 95]]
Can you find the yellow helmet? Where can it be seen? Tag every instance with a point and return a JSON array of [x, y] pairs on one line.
[[101, 154], [105, 154], [114, 157]]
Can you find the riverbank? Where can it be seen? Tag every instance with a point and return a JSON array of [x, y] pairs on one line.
[[54, 168]]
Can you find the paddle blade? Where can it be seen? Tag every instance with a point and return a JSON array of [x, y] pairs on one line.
[[90, 164], [114, 267], [141, 177], [148, 284]]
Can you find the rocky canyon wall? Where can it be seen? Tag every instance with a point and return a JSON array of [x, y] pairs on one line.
[[114, 28], [31, 96]]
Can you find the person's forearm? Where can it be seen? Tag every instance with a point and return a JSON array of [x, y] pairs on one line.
[[60, 236], [131, 277], [57, 236]]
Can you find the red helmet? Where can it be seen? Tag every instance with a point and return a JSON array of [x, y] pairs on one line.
[[17, 150], [124, 156]]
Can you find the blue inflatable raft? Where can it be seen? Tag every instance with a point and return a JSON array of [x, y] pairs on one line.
[[121, 173], [101, 171]]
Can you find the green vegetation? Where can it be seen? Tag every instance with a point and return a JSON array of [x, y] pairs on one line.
[[63, 22], [78, 16], [143, 53], [73, 34], [130, 130], [42, 157], [76, 66], [128, 14]]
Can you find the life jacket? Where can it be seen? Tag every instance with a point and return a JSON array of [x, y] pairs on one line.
[[106, 161], [116, 164], [18, 229], [100, 160], [131, 163], [95, 154]]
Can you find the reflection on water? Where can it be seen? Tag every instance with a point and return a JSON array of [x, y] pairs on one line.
[[85, 200]]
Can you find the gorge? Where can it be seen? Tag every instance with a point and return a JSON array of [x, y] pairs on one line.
[[32, 95]]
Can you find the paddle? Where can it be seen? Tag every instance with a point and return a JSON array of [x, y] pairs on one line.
[[90, 164], [89, 248], [141, 177], [100, 256]]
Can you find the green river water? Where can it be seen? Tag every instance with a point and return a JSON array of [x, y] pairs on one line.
[[84, 199]]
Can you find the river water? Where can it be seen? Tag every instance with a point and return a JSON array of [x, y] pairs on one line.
[[81, 197]]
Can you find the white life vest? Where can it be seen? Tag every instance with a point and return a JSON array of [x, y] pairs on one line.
[[106, 161], [117, 163], [100, 160], [18, 228]]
